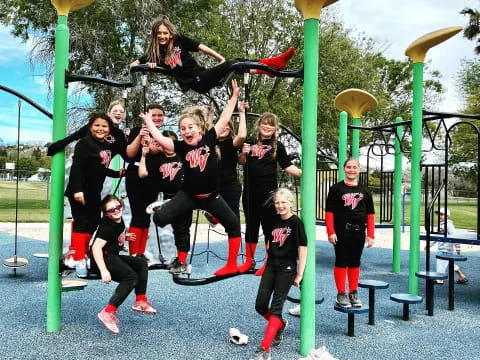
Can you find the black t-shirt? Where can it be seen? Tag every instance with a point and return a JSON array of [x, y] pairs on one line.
[[90, 166], [166, 172], [349, 204], [287, 236], [116, 139], [261, 167], [113, 233], [228, 162], [133, 134], [182, 66], [200, 164]]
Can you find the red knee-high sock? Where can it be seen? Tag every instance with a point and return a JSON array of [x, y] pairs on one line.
[[353, 277], [182, 256], [111, 309], [134, 246], [142, 245], [278, 62], [340, 276], [79, 243], [274, 324], [250, 253], [231, 266]]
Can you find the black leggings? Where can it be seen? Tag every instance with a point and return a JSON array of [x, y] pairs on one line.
[[130, 272], [209, 78], [258, 211], [231, 193], [183, 203], [277, 280], [141, 193], [349, 248], [86, 217]]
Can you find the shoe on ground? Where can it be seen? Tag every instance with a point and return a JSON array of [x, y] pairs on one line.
[[277, 340], [261, 354], [236, 337], [343, 300], [109, 320], [144, 306], [69, 261], [155, 206], [81, 269], [355, 299], [177, 267], [295, 311], [319, 354], [462, 281]]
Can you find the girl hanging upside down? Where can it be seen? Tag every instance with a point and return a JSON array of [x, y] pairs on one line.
[[200, 163], [172, 51]]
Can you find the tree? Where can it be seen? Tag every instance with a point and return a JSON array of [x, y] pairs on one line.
[[472, 30]]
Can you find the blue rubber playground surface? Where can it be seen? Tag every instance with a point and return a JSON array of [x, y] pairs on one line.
[[193, 322]]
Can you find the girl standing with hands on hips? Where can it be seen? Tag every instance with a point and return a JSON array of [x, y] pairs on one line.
[[285, 264], [130, 272], [200, 185], [172, 51], [349, 212], [260, 182]]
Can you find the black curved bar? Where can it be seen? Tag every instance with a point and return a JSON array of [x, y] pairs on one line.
[[205, 281], [297, 301], [92, 79], [28, 100], [145, 68]]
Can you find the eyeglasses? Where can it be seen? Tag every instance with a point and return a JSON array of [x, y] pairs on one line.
[[112, 210]]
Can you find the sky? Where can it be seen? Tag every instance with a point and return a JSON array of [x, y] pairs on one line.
[[395, 23]]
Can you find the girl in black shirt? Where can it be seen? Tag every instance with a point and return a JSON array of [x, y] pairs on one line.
[[260, 181], [171, 51], [130, 272], [88, 172], [200, 188], [287, 244]]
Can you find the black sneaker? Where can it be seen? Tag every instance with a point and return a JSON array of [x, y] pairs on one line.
[[261, 354], [354, 299], [279, 336], [177, 267], [343, 300]]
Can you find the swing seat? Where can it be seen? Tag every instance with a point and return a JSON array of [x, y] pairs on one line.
[[15, 263], [41, 255], [187, 281], [73, 285]]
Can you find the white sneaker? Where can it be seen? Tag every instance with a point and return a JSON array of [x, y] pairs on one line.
[[319, 354], [81, 268], [155, 206], [295, 311], [236, 337]]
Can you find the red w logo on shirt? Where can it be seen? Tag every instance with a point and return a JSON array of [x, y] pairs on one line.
[[175, 59], [259, 150], [105, 157], [170, 170], [198, 157], [352, 199], [280, 235]]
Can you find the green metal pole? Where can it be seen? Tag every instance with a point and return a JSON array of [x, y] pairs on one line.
[[308, 186], [342, 144], [397, 200], [115, 166], [416, 177], [356, 139], [62, 35]]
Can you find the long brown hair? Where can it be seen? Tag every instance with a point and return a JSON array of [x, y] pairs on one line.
[[154, 52], [272, 120]]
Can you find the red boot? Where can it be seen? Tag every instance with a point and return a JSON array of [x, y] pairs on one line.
[[142, 245], [231, 266], [278, 62], [249, 258], [134, 246], [274, 324]]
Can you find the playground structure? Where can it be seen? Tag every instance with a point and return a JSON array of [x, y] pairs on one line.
[[310, 200]]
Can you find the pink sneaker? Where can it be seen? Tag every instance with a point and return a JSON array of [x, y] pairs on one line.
[[144, 306], [109, 320]]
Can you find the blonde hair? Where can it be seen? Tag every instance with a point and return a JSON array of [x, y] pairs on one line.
[[287, 194], [154, 53], [272, 120], [197, 114], [115, 103]]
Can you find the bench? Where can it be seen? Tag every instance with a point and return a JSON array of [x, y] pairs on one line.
[[351, 316], [406, 300], [372, 285], [451, 258], [430, 277]]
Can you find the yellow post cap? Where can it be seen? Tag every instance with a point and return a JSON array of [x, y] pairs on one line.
[[65, 6], [418, 49], [355, 102], [311, 9]]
